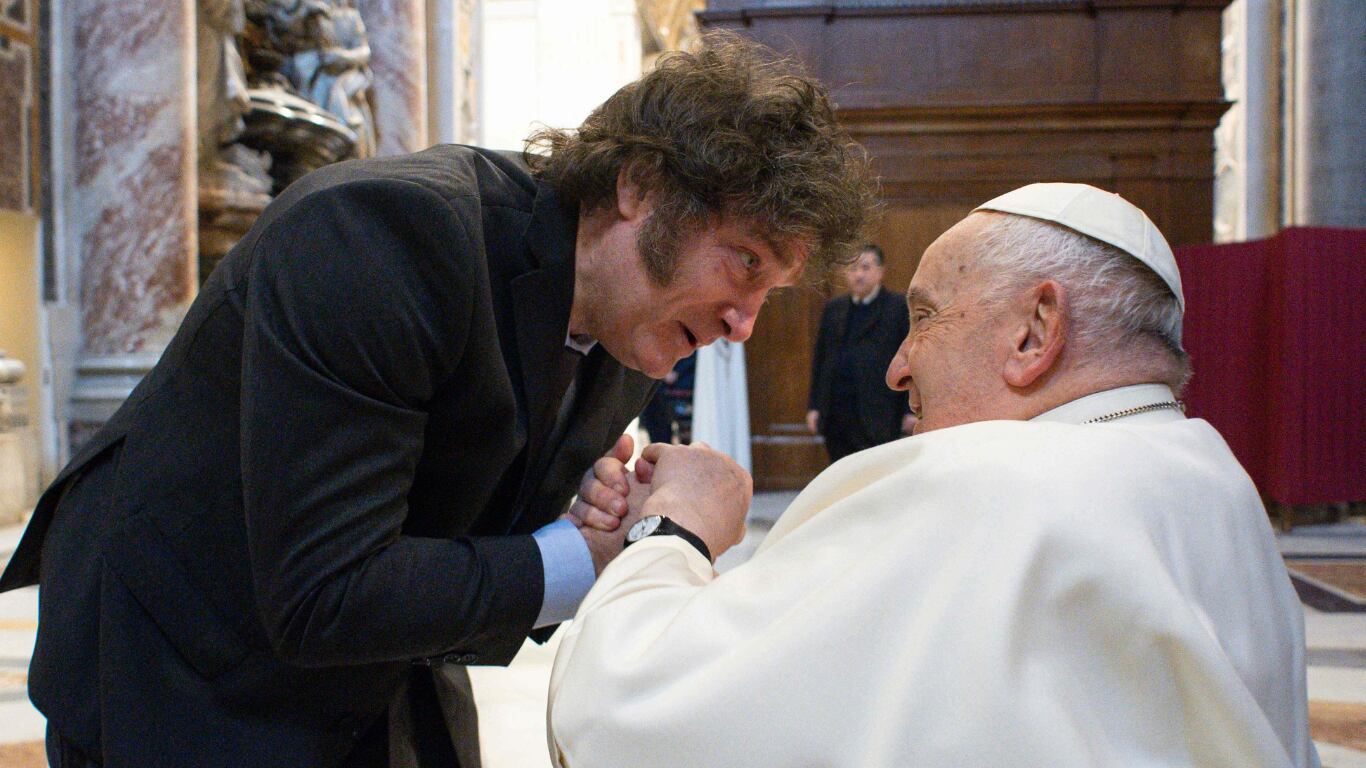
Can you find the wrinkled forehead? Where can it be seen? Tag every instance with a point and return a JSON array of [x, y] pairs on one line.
[[954, 254]]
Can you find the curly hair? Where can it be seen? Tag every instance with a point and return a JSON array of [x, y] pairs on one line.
[[730, 131]]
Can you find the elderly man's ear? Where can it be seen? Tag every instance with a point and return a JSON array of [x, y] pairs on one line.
[[1038, 336]]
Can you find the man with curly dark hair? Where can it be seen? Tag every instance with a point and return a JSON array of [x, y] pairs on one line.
[[340, 484]]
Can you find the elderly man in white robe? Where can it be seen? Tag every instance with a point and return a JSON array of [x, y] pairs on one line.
[[1058, 569]]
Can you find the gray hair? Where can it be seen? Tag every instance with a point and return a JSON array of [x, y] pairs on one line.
[[1115, 299]]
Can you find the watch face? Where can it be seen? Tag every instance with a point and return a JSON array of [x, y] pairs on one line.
[[644, 527]]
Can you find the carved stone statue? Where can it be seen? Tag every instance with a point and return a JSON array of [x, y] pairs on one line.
[[234, 186], [334, 72], [294, 97], [308, 77], [324, 56]]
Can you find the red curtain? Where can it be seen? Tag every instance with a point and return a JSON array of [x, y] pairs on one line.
[[1276, 330]]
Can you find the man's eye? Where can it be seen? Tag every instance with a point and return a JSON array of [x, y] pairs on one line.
[[749, 261]]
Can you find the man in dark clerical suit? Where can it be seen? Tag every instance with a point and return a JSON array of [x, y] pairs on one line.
[[851, 406], [341, 482]]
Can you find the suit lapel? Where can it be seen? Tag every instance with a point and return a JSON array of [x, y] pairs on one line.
[[582, 439], [541, 301], [540, 341], [598, 389]]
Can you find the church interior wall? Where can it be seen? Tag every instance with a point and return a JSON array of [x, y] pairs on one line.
[[1288, 148], [20, 404], [551, 62], [488, 71]]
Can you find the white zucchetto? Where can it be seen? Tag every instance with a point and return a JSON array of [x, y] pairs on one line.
[[1103, 215]]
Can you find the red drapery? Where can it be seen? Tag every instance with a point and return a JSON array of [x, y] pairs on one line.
[[1276, 330]]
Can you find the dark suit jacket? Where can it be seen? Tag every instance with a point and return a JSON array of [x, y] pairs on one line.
[[332, 473], [879, 409]]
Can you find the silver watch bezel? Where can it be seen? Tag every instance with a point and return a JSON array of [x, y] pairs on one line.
[[644, 527]]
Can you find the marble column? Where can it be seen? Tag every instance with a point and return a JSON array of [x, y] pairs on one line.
[[397, 30], [1327, 167], [1247, 203], [451, 82], [131, 214]]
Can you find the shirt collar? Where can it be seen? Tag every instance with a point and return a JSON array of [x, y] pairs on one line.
[[866, 300], [1115, 400]]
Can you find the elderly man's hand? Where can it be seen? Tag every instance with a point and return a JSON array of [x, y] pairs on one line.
[[603, 490], [700, 489]]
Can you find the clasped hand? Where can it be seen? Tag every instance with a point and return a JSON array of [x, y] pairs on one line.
[[701, 489]]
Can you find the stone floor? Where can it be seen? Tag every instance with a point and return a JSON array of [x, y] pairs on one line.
[[512, 700]]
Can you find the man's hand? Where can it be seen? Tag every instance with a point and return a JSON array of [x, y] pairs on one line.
[[606, 545], [700, 489], [603, 546], [813, 421], [603, 490]]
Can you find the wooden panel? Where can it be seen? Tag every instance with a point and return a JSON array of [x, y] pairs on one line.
[[779, 354], [1062, 53], [957, 103], [778, 372], [905, 231]]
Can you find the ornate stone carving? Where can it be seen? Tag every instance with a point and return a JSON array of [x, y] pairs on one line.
[[294, 97], [1230, 176], [309, 72], [18, 475], [326, 59], [233, 184]]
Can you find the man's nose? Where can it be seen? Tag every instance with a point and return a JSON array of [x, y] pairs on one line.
[[739, 320], [899, 370]]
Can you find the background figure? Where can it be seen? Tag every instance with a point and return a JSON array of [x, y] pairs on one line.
[[720, 414], [850, 403], [669, 412]]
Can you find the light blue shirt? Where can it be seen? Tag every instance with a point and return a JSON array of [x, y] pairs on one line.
[[569, 572]]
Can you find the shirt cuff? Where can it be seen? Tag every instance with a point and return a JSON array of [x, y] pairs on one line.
[[569, 571]]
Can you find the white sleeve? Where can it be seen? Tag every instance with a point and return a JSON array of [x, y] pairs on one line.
[[608, 654]]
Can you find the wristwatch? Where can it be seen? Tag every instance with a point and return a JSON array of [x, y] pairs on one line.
[[659, 525]]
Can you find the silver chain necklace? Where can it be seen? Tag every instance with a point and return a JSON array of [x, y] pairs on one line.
[[1177, 404]]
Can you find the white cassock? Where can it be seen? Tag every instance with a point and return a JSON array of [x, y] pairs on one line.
[[720, 409], [1002, 593]]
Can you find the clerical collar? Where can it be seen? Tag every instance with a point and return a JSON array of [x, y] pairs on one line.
[[1146, 402], [580, 342], [866, 300]]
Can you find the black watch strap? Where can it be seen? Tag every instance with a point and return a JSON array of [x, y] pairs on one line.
[[668, 527]]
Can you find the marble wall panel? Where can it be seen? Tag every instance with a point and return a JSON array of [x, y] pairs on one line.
[[17, 100], [398, 50], [134, 197], [15, 92]]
